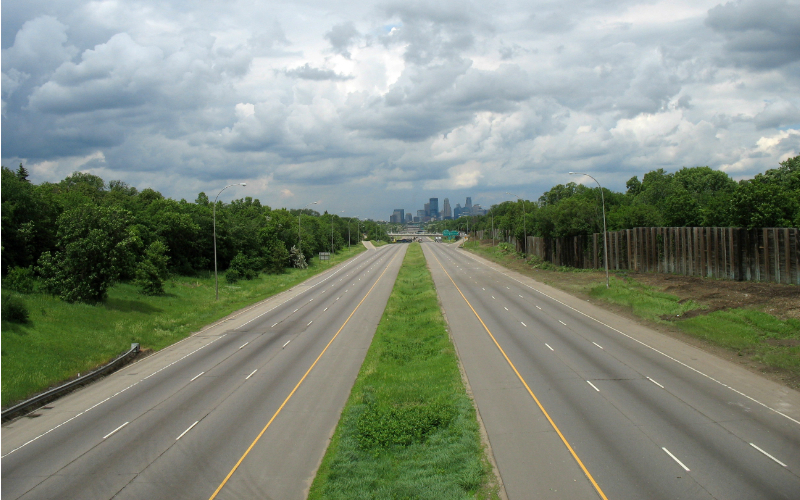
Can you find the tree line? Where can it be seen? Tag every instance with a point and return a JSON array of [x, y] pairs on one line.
[[690, 197], [78, 237]]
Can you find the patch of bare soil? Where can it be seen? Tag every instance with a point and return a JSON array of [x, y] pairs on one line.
[[781, 301]]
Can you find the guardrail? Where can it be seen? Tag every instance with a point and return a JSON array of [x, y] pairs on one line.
[[58, 391]]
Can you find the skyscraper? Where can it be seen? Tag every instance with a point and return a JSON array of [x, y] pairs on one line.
[[434, 207], [446, 212]]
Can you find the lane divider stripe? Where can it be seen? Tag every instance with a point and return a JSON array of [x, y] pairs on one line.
[[519, 376], [252, 445], [639, 342]]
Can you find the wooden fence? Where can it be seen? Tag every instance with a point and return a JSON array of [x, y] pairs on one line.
[[767, 254]]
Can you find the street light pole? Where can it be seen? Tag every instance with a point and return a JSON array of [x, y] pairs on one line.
[[605, 233], [299, 235], [214, 211], [524, 229]]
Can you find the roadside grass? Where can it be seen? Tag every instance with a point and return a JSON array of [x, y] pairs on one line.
[[378, 243], [409, 429], [61, 340], [644, 301], [772, 342]]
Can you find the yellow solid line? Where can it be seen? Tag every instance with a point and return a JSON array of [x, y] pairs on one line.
[[553, 424], [219, 488]]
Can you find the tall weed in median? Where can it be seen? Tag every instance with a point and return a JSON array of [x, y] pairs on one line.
[[60, 340], [409, 429]]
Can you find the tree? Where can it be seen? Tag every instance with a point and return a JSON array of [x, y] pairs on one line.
[[297, 258], [95, 245], [151, 273]]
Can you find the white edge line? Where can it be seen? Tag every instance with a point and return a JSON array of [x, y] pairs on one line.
[[767, 454], [642, 343], [653, 381], [187, 430], [593, 386], [115, 430], [187, 355], [676, 459], [251, 374]]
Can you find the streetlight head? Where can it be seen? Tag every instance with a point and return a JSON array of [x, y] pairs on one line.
[[242, 183], [571, 173]]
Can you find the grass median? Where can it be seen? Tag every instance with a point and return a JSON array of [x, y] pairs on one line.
[[408, 429], [61, 340]]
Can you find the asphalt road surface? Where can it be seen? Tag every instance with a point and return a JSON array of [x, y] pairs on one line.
[[243, 409], [580, 403]]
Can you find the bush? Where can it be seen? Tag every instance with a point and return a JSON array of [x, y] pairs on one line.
[[245, 267], [20, 279], [297, 259], [14, 309], [505, 247], [152, 270], [232, 276], [387, 425]]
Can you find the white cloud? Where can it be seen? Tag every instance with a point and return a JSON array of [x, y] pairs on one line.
[[396, 101]]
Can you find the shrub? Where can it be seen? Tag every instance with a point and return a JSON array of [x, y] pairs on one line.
[[297, 259], [384, 425], [152, 270], [232, 276], [14, 309], [505, 247], [20, 279], [245, 267]]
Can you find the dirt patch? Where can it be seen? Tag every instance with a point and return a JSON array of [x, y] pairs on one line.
[[781, 301]]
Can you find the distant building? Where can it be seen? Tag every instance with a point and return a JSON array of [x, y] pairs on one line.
[[446, 212], [409, 218], [468, 205], [427, 210], [398, 217], [457, 211], [434, 207]]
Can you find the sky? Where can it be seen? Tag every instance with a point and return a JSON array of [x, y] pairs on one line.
[[369, 106]]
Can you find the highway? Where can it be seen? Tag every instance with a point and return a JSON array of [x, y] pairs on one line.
[[243, 409], [580, 403]]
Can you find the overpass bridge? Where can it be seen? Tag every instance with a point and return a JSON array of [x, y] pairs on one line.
[[404, 235]]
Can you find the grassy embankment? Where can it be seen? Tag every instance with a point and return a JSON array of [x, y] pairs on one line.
[[61, 339], [409, 429], [378, 243], [773, 342]]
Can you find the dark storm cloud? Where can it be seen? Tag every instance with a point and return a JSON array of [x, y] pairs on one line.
[[762, 34]]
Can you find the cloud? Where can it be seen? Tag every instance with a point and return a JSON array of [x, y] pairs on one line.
[[341, 37], [393, 100], [307, 72], [761, 34]]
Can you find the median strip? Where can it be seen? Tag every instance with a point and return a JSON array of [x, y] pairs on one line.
[[409, 429]]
